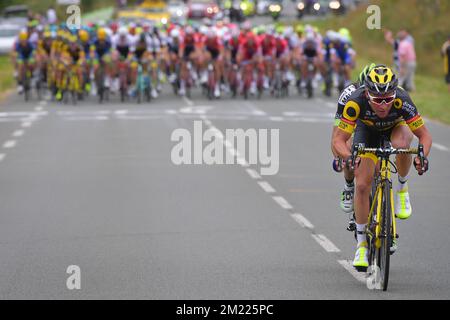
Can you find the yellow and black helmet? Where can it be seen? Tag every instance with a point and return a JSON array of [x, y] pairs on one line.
[[381, 80]]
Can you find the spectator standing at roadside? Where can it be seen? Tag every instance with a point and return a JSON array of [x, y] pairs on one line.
[[407, 60], [446, 55], [394, 43], [51, 16]]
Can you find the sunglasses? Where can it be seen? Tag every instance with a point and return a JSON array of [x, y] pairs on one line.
[[381, 100]]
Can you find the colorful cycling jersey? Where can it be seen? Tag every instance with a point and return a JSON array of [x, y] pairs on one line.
[[102, 48], [24, 52], [343, 98], [86, 48], [123, 45], [232, 44], [310, 48], [213, 43], [327, 45], [140, 48], [341, 50], [357, 108], [281, 47], [173, 44], [250, 49], [267, 45], [154, 44], [190, 41], [44, 46], [76, 52]]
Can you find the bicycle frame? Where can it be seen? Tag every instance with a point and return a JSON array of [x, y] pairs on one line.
[[382, 181]]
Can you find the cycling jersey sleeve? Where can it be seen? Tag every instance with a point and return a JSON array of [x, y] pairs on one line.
[[345, 95], [408, 110], [350, 113]]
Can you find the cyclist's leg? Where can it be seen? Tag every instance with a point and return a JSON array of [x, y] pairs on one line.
[[133, 73], [363, 179], [401, 137], [79, 72]]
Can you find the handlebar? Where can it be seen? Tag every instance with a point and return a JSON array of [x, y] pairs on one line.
[[385, 153]]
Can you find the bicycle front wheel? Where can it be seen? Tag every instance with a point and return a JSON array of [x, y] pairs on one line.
[[384, 254]]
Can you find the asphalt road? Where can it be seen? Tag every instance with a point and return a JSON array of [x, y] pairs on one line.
[[94, 186]]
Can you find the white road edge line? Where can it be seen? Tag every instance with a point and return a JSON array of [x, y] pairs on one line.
[[282, 202], [266, 187], [349, 267], [302, 221], [325, 243], [9, 144], [440, 147]]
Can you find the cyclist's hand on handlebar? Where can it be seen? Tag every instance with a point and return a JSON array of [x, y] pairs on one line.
[[352, 162], [421, 165], [337, 164]]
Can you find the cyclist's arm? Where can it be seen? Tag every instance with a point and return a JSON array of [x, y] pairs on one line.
[[339, 143], [425, 139]]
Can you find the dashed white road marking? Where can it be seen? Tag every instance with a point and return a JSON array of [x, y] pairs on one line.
[[282, 202], [325, 243], [120, 112], [18, 133], [26, 124], [440, 147], [2, 156], [360, 276], [253, 174], [302, 221], [38, 109], [9, 144], [276, 119], [266, 186], [321, 239]]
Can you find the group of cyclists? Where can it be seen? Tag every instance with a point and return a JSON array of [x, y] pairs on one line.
[[136, 59]]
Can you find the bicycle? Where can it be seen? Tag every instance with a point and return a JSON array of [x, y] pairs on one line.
[[102, 90], [310, 78], [71, 85], [142, 87], [381, 231], [25, 80]]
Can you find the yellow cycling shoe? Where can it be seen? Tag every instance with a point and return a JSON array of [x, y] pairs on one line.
[[361, 261], [403, 208], [58, 95]]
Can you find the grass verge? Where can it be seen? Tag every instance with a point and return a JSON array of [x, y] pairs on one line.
[[6, 78]]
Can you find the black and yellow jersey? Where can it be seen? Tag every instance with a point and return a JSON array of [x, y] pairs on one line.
[[357, 108], [343, 98], [76, 52], [44, 47]]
